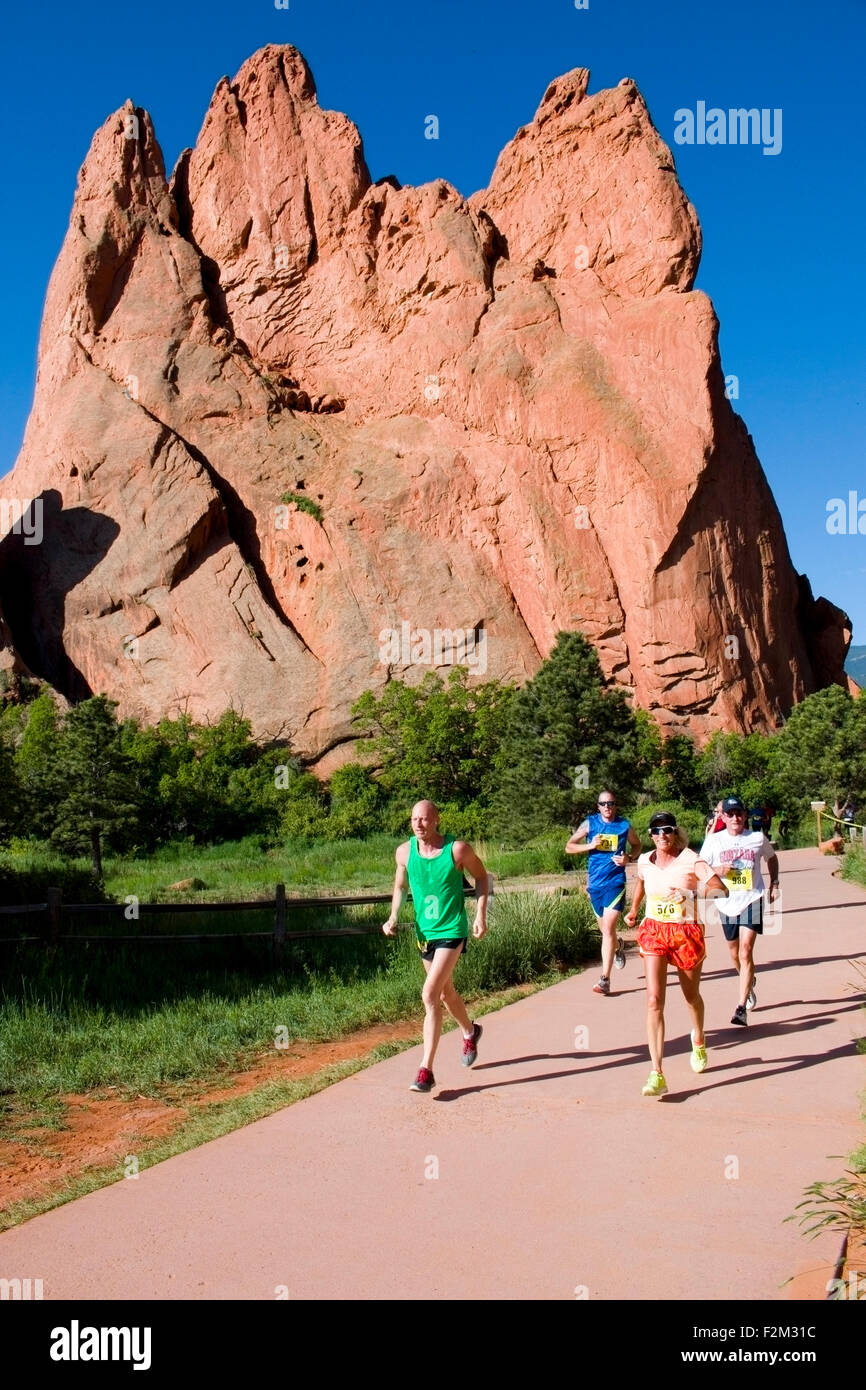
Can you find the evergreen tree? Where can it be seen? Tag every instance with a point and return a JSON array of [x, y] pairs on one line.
[[568, 735], [820, 754], [99, 802], [38, 767]]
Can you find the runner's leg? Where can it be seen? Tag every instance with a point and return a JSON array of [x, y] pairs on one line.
[[734, 948], [439, 971], [746, 962], [608, 923], [454, 1002], [656, 985], [690, 984]]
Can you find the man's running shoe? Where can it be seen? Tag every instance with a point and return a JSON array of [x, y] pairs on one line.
[[603, 986], [619, 955], [698, 1058], [424, 1081], [656, 1085], [740, 1016], [470, 1046], [752, 999]]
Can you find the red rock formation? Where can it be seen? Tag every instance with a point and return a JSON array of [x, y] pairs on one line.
[[509, 413]]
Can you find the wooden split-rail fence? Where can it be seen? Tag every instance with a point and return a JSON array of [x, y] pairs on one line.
[[54, 916]]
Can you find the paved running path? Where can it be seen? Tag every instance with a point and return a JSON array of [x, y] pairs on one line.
[[554, 1173]]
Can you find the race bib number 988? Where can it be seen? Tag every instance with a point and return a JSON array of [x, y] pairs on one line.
[[739, 879]]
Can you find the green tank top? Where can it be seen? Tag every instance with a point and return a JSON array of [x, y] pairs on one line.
[[437, 893]]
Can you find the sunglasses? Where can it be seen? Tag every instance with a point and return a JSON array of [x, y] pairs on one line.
[[735, 814], [664, 830], [607, 803]]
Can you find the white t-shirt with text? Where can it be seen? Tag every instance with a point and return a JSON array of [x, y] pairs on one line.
[[738, 860]]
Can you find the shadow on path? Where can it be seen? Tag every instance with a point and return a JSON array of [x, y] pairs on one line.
[[821, 907], [621, 1057]]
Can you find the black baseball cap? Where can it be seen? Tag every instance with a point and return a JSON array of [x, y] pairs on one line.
[[733, 803], [661, 819]]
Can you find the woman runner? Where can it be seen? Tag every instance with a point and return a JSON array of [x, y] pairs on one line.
[[670, 934]]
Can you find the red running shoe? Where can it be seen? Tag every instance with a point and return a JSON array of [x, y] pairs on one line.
[[424, 1081], [470, 1046]]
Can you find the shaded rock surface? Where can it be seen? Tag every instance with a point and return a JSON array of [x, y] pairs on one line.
[[507, 414]]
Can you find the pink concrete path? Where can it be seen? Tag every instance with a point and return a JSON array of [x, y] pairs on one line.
[[540, 1174]]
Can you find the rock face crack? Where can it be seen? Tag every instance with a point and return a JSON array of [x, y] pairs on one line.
[[241, 528]]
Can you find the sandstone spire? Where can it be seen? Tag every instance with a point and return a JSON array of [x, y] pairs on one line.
[[505, 414]]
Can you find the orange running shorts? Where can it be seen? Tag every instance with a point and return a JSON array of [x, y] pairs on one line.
[[682, 943]]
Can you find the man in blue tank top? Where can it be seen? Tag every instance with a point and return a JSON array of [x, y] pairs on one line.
[[610, 844]]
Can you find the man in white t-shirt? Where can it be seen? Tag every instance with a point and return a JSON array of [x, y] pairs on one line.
[[739, 856]]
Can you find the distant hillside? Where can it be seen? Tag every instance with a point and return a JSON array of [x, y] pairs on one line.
[[855, 664]]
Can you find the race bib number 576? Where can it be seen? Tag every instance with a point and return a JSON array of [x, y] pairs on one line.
[[664, 910]]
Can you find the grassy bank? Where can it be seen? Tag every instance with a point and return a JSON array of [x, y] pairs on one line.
[[110, 1016], [854, 865], [249, 868]]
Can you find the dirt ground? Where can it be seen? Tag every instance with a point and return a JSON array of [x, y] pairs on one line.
[[102, 1127]]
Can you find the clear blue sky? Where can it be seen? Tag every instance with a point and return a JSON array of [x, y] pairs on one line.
[[784, 235]]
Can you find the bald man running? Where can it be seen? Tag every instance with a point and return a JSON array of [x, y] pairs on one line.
[[432, 866]]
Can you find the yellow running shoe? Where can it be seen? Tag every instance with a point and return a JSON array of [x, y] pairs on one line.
[[656, 1085], [698, 1058]]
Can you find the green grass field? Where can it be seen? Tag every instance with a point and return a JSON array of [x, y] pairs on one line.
[[248, 868], [95, 1016]]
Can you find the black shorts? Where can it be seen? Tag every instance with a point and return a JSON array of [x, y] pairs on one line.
[[752, 916], [428, 949]]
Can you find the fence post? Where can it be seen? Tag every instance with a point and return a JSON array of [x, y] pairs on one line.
[[52, 896], [280, 918]]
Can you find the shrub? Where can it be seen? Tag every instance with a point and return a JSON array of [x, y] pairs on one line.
[[303, 504]]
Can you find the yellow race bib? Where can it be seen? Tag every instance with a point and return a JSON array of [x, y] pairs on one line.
[[663, 910], [739, 880], [609, 843]]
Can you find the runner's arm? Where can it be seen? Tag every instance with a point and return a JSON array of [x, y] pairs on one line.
[[711, 885], [631, 916], [574, 846], [468, 862], [401, 887], [633, 843], [773, 871]]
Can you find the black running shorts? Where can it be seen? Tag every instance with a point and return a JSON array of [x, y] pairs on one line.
[[428, 949], [752, 916]]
